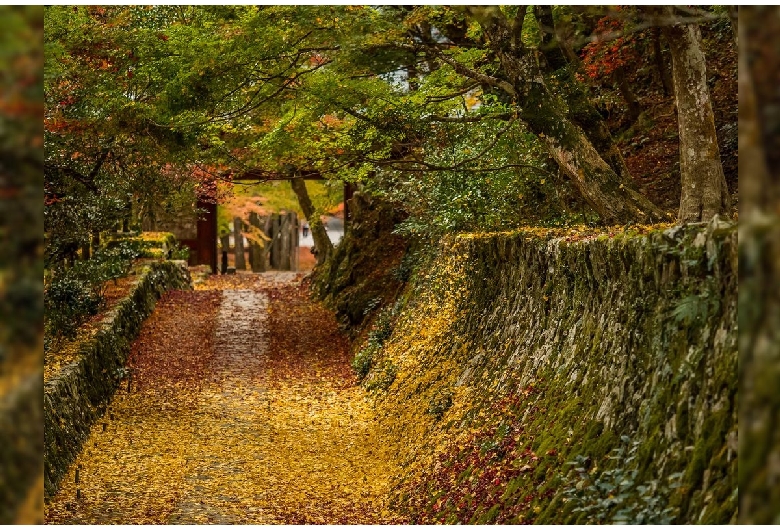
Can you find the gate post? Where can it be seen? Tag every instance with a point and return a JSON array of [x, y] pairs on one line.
[[206, 247], [239, 243]]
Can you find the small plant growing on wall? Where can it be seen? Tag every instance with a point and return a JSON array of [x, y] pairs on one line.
[[614, 495]]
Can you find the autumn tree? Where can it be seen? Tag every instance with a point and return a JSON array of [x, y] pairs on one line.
[[105, 150], [611, 195]]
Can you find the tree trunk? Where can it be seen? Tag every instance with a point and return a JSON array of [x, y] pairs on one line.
[[321, 240], [581, 110], [238, 225], [704, 190], [611, 195], [734, 18], [634, 108], [551, 47], [660, 64], [613, 198]]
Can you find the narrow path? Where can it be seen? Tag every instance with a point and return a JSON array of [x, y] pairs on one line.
[[242, 409]]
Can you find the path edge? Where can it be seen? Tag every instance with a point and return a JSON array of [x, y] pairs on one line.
[[78, 395]]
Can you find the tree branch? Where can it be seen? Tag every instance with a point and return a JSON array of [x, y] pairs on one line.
[[460, 164], [473, 74], [445, 97], [468, 119]]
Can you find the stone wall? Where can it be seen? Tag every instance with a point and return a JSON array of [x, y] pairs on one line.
[[519, 363], [78, 395]]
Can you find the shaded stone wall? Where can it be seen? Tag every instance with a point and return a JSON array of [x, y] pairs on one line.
[[599, 343], [79, 393]]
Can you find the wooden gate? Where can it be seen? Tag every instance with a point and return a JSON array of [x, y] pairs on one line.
[[271, 243]]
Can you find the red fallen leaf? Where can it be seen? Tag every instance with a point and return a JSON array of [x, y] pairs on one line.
[[552, 452]]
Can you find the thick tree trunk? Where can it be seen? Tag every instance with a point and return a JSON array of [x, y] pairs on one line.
[[704, 190], [610, 194], [613, 198], [321, 240]]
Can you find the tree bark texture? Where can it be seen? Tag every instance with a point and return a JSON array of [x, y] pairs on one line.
[[634, 108], [704, 190], [611, 195], [321, 240], [660, 64]]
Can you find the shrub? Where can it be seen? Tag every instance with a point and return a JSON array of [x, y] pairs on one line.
[[381, 330], [72, 295]]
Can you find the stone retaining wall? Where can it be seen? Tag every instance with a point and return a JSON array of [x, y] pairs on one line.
[[78, 395], [597, 345]]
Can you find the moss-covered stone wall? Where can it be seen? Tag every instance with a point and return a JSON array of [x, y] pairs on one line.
[[566, 378], [79, 393]]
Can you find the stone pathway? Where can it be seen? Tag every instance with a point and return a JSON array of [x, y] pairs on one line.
[[243, 410], [240, 341]]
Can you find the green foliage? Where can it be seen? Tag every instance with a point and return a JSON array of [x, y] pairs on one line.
[[382, 376], [383, 326], [614, 495], [74, 294], [380, 331], [695, 307], [410, 261], [364, 359], [179, 251]]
